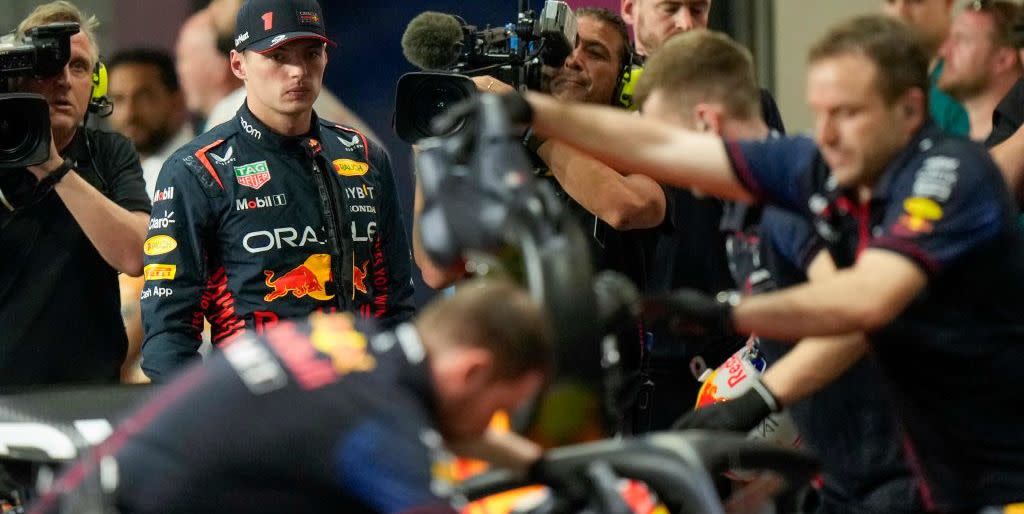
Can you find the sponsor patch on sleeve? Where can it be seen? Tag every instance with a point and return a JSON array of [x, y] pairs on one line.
[[160, 271], [159, 245]]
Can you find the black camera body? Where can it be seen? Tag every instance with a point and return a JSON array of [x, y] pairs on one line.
[[25, 117], [514, 54]]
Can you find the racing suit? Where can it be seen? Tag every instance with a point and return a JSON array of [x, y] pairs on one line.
[[310, 417], [250, 227]]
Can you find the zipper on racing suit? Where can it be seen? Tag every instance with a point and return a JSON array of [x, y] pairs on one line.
[[340, 247]]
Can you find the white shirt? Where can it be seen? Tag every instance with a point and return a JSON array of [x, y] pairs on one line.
[[151, 165]]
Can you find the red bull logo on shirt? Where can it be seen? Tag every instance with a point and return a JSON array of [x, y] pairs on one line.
[[308, 279], [359, 279]]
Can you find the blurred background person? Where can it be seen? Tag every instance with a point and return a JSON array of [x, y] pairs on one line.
[[203, 72], [149, 107], [932, 20], [982, 62], [654, 21]]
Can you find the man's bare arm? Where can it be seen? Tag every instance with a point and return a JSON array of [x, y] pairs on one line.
[[858, 299], [117, 233], [668, 154], [507, 450], [624, 202]]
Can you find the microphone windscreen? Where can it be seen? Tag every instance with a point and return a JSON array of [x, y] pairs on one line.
[[432, 40]]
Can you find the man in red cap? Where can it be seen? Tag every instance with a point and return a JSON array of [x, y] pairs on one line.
[[276, 213]]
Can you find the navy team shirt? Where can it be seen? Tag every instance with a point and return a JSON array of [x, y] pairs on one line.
[[952, 358], [849, 424], [309, 417]]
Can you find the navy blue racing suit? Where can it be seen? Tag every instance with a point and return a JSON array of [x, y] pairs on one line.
[[309, 417], [250, 227], [952, 358]]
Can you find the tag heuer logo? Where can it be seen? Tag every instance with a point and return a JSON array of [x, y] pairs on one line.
[[253, 175]]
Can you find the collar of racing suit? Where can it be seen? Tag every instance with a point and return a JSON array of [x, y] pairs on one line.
[[262, 135]]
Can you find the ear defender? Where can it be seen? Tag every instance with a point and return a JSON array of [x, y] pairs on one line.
[[626, 86], [632, 68], [99, 104]]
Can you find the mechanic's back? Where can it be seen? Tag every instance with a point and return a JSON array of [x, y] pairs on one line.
[[322, 416]]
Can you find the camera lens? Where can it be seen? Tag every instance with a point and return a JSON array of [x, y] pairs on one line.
[[24, 130], [433, 98], [422, 96], [15, 139]]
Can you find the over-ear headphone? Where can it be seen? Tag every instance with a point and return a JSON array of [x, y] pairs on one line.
[[632, 68], [99, 104]]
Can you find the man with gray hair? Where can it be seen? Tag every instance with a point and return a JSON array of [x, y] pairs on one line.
[[67, 227]]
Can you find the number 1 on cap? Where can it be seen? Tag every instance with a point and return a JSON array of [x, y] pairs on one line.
[[268, 20]]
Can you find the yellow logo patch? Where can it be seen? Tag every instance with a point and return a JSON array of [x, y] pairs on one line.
[[336, 337], [160, 271], [923, 208], [159, 245], [350, 168]]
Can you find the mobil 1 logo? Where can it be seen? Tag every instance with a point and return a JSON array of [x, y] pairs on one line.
[[261, 202]]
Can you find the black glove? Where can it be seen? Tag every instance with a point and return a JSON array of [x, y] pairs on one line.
[[691, 312], [741, 414]]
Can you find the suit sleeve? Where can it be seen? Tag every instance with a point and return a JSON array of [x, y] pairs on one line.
[[175, 271], [398, 254], [779, 171]]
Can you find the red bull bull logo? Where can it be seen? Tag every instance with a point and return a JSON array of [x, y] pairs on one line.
[[359, 279], [308, 279]]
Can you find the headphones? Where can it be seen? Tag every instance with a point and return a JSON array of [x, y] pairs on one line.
[[632, 68], [99, 104]]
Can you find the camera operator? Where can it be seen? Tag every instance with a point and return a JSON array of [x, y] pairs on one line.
[[920, 223], [67, 227], [329, 416], [591, 74], [276, 213]]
